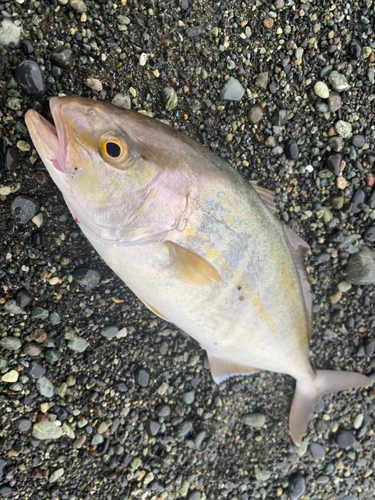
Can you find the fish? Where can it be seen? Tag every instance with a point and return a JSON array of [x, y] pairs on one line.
[[197, 243]]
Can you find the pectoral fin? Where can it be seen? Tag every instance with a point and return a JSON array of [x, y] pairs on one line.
[[222, 369], [191, 267]]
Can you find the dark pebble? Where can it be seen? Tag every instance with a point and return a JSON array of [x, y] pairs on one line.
[[30, 78], [24, 208], [153, 427], [279, 117], [358, 199], [11, 158], [120, 387], [345, 439], [334, 162], [322, 258], [3, 464], [60, 412], [194, 31], [371, 200], [355, 49], [27, 47], [358, 140], [143, 377], [297, 487], [87, 278], [37, 371], [37, 238], [163, 411], [23, 299], [63, 57], [370, 234], [317, 450], [291, 149], [24, 424]]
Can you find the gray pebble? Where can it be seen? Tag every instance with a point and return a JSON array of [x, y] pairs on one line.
[[45, 387], [109, 332], [317, 451], [256, 420], [188, 397], [10, 343], [297, 488], [232, 90], [338, 81], [24, 208], [361, 268], [345, 439], [79, 344], [87, 278], [46, 430]]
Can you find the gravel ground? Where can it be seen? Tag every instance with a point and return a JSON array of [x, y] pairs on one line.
[[101, 399]]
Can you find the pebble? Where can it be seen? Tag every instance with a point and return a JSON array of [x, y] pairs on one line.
[[11, 307], [358, 421], [24, 208], [24, 424], [232, 90], [358, 140], [39, 313], [153, 427], [46, 430], [321, 90], [23, 298], [345, 439], [195, 495], [56, 475], [27, 47], [136, 463], [361, 268], [78, 344], [32, 349], [5, 491], [30, 77], [169, 98], [109, 332], [10, 377], [279, 117], [11, 158], [63, 57], [334, 162], [163, 411], [355, 49], [336, 143], [184, 4], [358, 200], [122, 100], [199, 438], [269, 22], [334, 102], [94, 84], [97, 439], [338, 81], [194, 31], [188, 397], [87, 278], [10, 34], [256, 420], [184, 429], [279, 4], [36, 371], [143, 377], [45, 387], [255, 114], [317, 451], [344, 286], [297, 488], [10, 343], [52, 356], [291, 149], [78, 5], [344, 129], [261, 81], [369, 234], [341, 182]]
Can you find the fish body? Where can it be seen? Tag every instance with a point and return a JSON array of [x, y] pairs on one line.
[[192, 239]]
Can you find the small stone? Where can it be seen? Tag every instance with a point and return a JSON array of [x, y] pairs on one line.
[[279, 4], [334, 163], [255, 114], [23, 146], [336, 143], [30, 77], [232, 90], [5, 491], [338, 81], [10, 34], [56, 475], [122, 100], [79, 344], [261, 81], [163, 411], [23, 299], [344, 286], [358, 200], [45, 387], [341, 182], [10, 343], [87, 278], [291, 149], [194, 495], [52, 356], [345, 439], [184, 429], [63, 57], [153, 427], [188, 397], [78, 5], [317, 450], [10, 377], [39, 313], [97, 439], [321, 90], [110, 332], [268, 23], [369, 234], [54, 318], [46, 430], [24, 424], [184, 4], [261, 474], [163, 388], [334, 102], [344, 129], [94, 84], [103, 427], [355, 49], [297, 487], [36, 371], [136, 463], [358, 421], [335, 297], [143, 377], [11, 307], [279, 117], [80, 441], [27, 47], [194, 32], [24, 208], [32, 349], [358, 140], [361, 268], [169, 98]]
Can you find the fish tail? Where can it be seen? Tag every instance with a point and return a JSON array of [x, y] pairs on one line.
[[309, 393]]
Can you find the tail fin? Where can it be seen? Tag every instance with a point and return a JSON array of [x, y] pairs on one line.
[[308, 395]]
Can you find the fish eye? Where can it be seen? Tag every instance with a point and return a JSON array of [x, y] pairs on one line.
[[113, 149]]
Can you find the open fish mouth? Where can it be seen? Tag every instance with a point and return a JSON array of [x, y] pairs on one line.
[[50, 140]]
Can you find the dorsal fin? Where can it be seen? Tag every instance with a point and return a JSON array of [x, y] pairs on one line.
[[266, 195], [299, 248], [191, 267], [222, 369]]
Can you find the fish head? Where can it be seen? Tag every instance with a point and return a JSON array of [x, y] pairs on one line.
[[116, 168]]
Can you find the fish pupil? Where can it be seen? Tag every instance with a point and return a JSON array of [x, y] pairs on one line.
[[113, 149]]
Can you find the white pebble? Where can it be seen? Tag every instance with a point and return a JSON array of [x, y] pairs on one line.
[[310, 168], [94, 84], [321, 90], [142, 59], [358, 421]]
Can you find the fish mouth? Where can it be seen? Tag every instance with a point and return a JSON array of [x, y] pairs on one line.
[[50, 140]]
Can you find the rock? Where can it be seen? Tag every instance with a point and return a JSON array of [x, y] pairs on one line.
[[24, 208], [355, 49], [39, 313], [268, 23], [63, 57], [194, 495], [27, 47], [52, 356], [24, 425], [10, 343], [122, 100], [279, 4], [279, 117], [10, 377], [78, 5], [169, 98], [334, 102], [5, 491], [3, 464], [153, 427], [109, 332], [261, 81], [11, 158], [45, 387], [94, 84], [79, 344], [199, 438], [256, 420], [11, 307], [54, 318], [338, 81], [334, 162], [184, 4], [371, 200], [32, 349], [321, 107], [10, 34], [344, 286], [317, 451], [255, 114], [369, 234], [97, 439], [358, 421], [337, 202], [336, 143], [291, 149], [345, 439], [143, 377], [184, 429], [361, 268], [232, 90], [30, 77], [188, 397], [163, 411], [136, 463], [344, 129], [358, 140], [46, 430], [194, 32], [261, 474], [24, 298], [87, 278], [358, 199], [56, 475], [321, 90], [297, 487]]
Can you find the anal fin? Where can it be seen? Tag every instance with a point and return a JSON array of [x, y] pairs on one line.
[[222, 369], [152, 309], [267, 196]]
